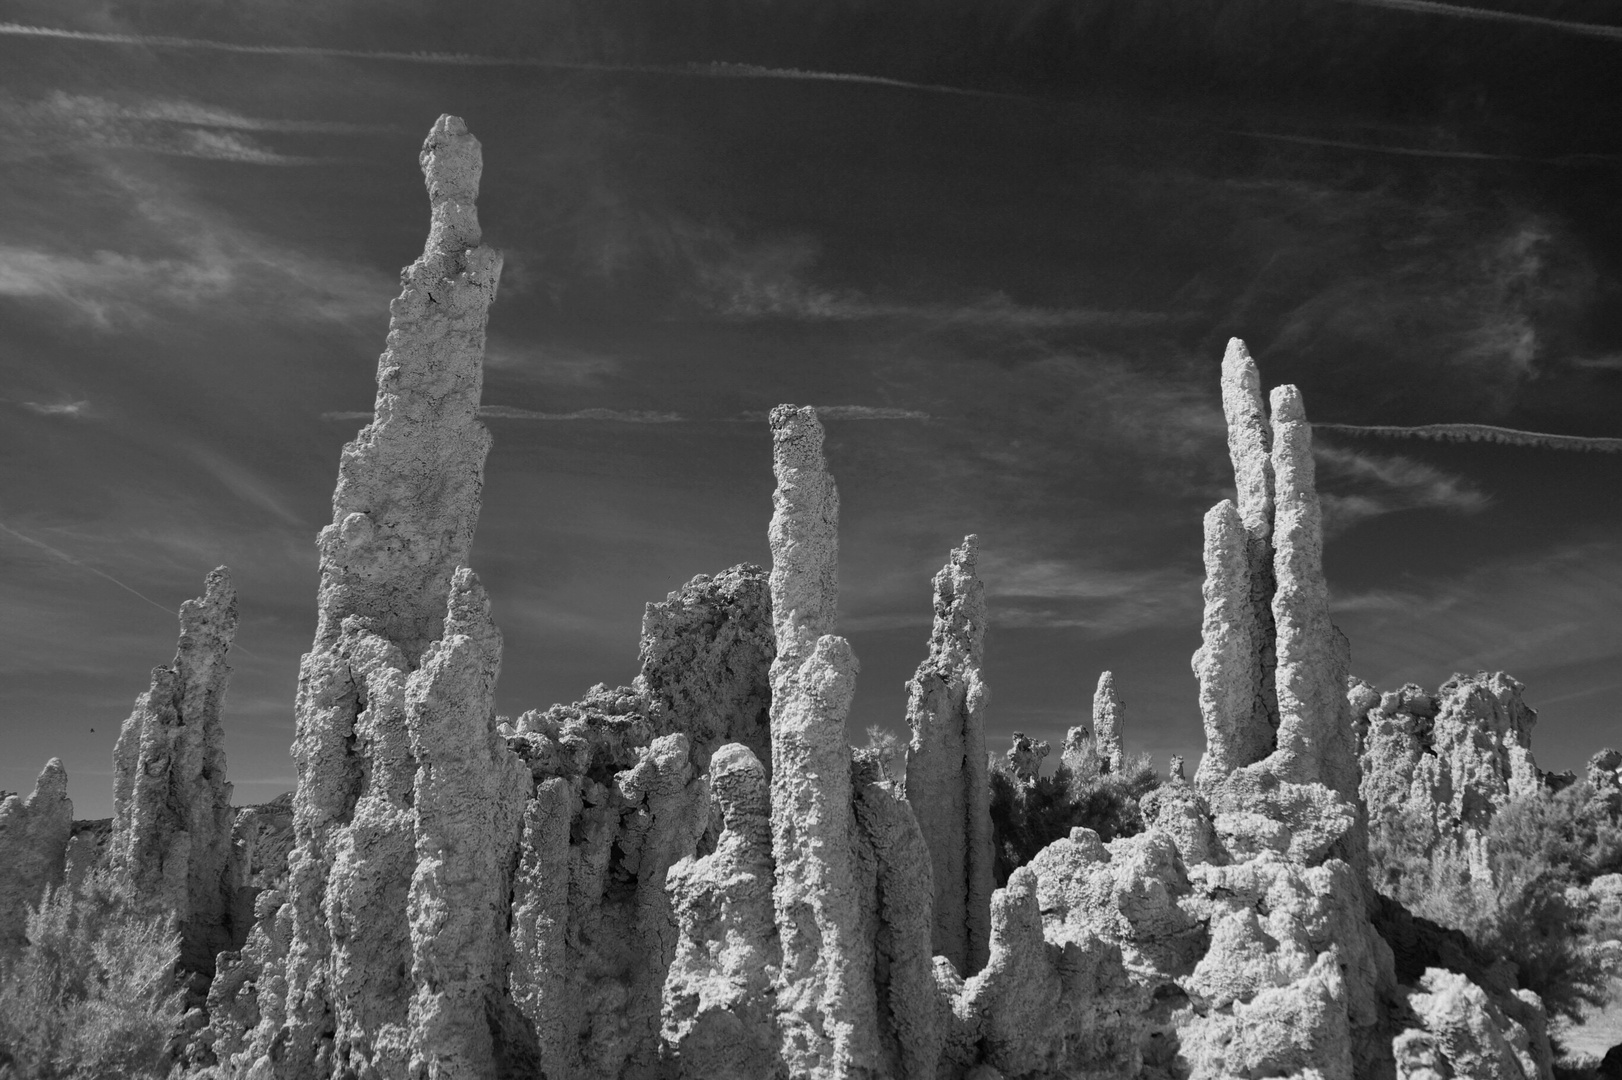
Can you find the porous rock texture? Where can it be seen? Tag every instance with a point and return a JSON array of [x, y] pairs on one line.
[[697, 876], [617, 803], [172, 814], [946, 779], [34, 833], [719, 997], [388, 954], [827, 1008], [706, 650], [805, 934], [1109, 717], [1439, 766]]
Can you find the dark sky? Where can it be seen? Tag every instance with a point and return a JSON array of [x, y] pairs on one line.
[[1016, 278]]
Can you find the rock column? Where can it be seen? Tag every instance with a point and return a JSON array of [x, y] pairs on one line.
[[1109, 714], [395, 910], [825, 996], [946, 763], [34, 834], [1316, 740], [171, 802]]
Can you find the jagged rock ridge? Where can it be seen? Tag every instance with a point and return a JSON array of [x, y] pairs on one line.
[[696, 875], [172, 818]]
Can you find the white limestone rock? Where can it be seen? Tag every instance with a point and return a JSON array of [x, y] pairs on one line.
[[34, 833], [946, 779], [1109, 718], [172, 816]]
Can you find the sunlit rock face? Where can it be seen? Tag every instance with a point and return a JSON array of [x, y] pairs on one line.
[[946, 781], [388, 953], [34, 835], [696, 876], [172, 817]]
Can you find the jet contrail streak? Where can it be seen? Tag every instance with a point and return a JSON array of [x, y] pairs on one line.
[[70, 560], [1482, 433], [1431, 7], [65, 557], [703, 71]]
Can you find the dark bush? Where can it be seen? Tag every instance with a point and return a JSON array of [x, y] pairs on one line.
[[1028, 815]]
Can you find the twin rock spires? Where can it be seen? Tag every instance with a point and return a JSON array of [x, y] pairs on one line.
[[620, 888]]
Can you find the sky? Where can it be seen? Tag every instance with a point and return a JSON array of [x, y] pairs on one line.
[[1002, 242]]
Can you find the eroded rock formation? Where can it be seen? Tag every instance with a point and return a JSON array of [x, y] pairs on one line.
[[825, 999], [34, 833], [172, 816], [1109, 717], [387, 955], [946, 781], [706, 650], [1438, 767], [697, 876]]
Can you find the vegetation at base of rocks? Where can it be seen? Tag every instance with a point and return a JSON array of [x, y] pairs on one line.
[[1029, 814], [1539, 889], [93, 994], [886, 748]]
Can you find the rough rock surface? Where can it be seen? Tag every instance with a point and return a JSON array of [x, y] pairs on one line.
[[172, 813], [34, 833], [387, 956], [1446, 762], [593, 928], [1025, 756], [620, 888], [1250, 449], [1227, 663], [827, 1008], [946, 763], [1461, 1031], [706, 653], [719, 997], [1315, 741], [1109, 717]]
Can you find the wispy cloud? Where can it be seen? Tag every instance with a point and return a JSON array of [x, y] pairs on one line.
[[245, 483], [621, 416], [73, 409], [551, 363], [161, 126], [1528, 613], [1107, 600], [1607, 362], [1460, 11], [1355, 485], [686, 71], [842, 412], [191, 258], [1459, 433]]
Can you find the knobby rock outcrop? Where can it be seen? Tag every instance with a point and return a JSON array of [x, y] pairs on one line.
[[172, 817], [697, 876], [34, 834], [387, 954], [947, 783]]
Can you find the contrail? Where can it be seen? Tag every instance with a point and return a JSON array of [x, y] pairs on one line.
[[1431, 7], [706, 71], [1308, 140], [69, 559], [65, 557], [1482, 433]]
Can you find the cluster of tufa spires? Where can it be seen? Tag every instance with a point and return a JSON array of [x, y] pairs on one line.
[[696, 876]]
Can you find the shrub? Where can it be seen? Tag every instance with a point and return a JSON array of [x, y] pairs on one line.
[[1027, 816], [92, 994], [1522, 894]]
